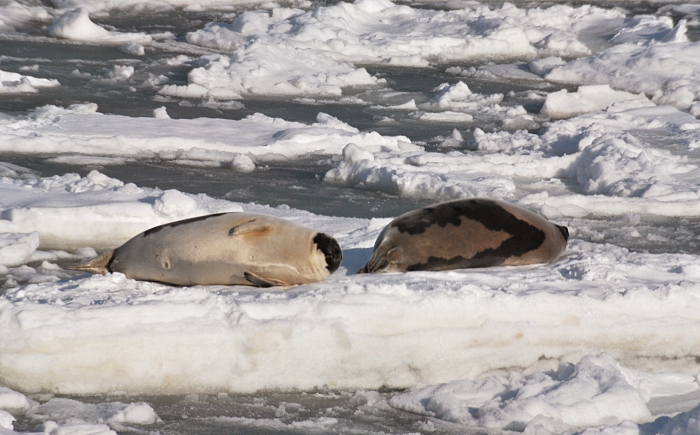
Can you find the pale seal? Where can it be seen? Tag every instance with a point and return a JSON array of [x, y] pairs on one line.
[[226, 249], [465, 234]]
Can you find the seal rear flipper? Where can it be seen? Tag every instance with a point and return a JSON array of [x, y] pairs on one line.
[[98, 265], [260, 281]]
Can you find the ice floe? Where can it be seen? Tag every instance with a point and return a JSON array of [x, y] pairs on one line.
[[294, 52], [11, 83], [76, 25]]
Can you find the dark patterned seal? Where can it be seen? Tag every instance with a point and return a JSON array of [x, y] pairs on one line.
[[464, 234]]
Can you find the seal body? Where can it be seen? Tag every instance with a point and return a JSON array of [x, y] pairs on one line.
[[464, 234], [227, 249]]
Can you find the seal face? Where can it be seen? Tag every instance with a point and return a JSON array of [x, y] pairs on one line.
[[466, 234], [224, 248], [330, 249]]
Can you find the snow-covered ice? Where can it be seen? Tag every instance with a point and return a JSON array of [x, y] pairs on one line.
[[666, 71], [459, 97], [71, 417], [586, 99], [536, 316], [599, 163], [15, 14], [469, 329], [593, 164], [17, 248], [292, 52], [11, 83], [76, 25], [602, 341], [596, 391], [95, 211], [137, 6], [80, 130]]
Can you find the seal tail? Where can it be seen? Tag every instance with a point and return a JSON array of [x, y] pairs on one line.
[[98, 265]]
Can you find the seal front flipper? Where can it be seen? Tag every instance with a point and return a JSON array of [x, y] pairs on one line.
[[263, 281], [382, 262], [252, 226], [97, 265], [394, 255]]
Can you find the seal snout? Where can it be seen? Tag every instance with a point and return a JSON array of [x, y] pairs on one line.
[[331, 249], [564, 232]]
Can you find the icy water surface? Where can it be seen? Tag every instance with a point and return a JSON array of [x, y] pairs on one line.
[[272, 413], [299, 184], [296, 184], [86, 73]]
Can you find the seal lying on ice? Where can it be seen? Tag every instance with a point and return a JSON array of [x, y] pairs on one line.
[[466, 233], [227, 249]]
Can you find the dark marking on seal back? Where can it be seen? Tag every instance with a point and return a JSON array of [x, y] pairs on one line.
[[176, 223], [486, 212], [421, 220], [524, 237], [515, 246], [331, 249], [459, 262]]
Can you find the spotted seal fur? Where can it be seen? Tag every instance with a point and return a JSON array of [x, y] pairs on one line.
[[465, 234]]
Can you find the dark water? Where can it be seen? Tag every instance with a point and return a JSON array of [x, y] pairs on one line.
[[84, 72], [324, 412], [296, 183]]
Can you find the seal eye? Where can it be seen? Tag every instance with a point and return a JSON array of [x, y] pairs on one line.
[[231, 231], [331, 249]]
